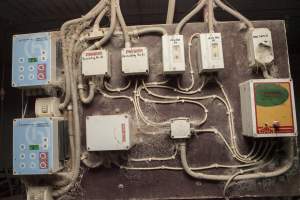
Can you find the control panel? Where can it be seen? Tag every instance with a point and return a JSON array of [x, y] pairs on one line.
[[109, 132], [36, 145], [96, 63], [210, 52], [34, 59], [268, 108], [173, 54], [260, 47], [135, 61]]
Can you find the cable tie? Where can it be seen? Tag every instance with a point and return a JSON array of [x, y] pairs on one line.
[[182, 101], [80, 86]]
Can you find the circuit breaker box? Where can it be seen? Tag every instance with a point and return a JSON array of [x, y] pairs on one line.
[[109, 132], [268, 108], [135, 61], [210, 52], [173, 54], [96, 63], [36, 145], [34, 60], [260, 47]]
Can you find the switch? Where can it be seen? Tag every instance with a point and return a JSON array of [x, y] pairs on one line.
[[173, 54], [210, 53]]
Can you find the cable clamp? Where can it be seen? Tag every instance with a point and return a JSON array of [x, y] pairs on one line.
[[80, 86]]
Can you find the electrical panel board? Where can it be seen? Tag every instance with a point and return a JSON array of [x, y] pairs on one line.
[[34, 60], [36, 145], [180, 128], [173, 54], [135, 61], [210, 52], [96, 63], [260, 47], [109, 133], [268, 108]]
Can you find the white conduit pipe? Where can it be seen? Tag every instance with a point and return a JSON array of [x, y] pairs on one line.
[[256, 175], [100, 6], [123, 25], [210, 6], [99, 19], [148, 30], [189, 16], [111, 30], [171, 12], [89, 98], [235, 13], [77, 143]]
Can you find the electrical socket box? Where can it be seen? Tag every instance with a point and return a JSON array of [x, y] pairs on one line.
[[96, 63], [173, 54], [39, 193], [36, 145], [180, 128], [135, 61], [34, 60], [47, 107], [109, 132], [268, 108], [260, 47], [210, 52]]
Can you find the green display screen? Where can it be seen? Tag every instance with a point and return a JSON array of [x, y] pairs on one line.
[[32, 60], [34, 147]]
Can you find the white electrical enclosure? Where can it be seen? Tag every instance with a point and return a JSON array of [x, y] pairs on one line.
[[39, 193], [268, 108], [173, 54], [210, 53], [135, 61], [260, 47], [96, 63], [47, 107], [180, 128], [109, 133]]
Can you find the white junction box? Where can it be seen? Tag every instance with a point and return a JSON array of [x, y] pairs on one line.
[[96, 63], [260, 47], [135, 61], [268, 108], [47, 107], [39, 193], [109, 132], [210, 52], [173, 54], [180, 128]]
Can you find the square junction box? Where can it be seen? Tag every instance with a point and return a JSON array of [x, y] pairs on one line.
[[109, 132], [135, 61], [210, 53], [180, 128], [268, 108], [96, 63]]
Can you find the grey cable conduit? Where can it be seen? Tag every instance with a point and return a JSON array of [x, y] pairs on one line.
[[111, 30], [234, 13], [93, 13], [123, 25], [171, 11], [189, 16], [256, 175]]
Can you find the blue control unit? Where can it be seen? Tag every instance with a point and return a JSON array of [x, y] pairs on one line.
[[36, 146], [34, 59]]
